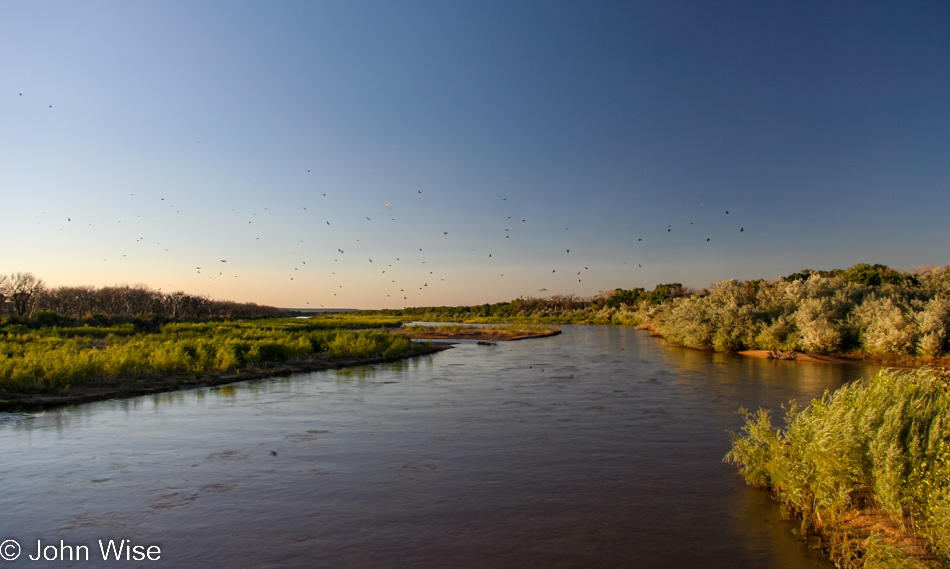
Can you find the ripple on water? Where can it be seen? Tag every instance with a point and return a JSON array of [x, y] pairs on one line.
[[599, 447]]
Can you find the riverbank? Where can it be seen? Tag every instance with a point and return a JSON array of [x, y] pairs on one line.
[[866, 468], [892, 360], [799, 357], [487, 333], [121, 388]]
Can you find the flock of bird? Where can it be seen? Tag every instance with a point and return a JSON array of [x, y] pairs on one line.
[[397, 289]]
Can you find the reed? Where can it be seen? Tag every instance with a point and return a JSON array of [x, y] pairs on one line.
[[876, 443], [53, 359]]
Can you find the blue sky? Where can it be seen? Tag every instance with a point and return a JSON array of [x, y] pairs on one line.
[[153, 138]]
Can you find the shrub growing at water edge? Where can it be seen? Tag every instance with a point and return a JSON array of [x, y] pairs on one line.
[[52, 359], [878, 444]]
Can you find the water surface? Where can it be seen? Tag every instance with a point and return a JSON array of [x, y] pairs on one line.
[[600, 447]]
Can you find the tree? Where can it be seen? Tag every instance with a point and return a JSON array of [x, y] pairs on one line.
[[873, 275], [23, 289], [4, 292]]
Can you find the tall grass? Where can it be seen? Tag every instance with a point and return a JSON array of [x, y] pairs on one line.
[[886, 439], [51, 359]]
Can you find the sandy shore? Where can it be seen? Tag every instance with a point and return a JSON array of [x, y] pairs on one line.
[[898, 361], [485, 334], [800, 357]]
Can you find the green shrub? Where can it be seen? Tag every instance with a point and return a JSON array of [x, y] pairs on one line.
[[48, 359], [888, 327], [887, 436]]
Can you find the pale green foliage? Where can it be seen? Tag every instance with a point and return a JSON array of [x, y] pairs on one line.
[[887, 436], [936, 281], [687, 322], [780, 334], [733, 313], [817, 328], [819, 314], [724, 320], [889, 327], [932, 323], [623, 316]]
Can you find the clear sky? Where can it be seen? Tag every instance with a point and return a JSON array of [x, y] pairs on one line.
[[465, 147]]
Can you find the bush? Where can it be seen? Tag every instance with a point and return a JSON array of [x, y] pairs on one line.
[[887, 436], [932, 325], [889, 328], [818, 330], [52, 358]]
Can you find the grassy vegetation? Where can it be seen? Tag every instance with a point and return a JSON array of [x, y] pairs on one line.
[[44, 360], [867, 309], [882, 443]]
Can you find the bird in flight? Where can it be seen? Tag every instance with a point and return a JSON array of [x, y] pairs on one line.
[[387, 204]]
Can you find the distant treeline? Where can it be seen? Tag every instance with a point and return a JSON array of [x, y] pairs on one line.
[[22, 296], [559, 308], [867, 308]]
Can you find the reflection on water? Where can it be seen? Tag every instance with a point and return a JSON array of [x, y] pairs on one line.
[[600, 447]]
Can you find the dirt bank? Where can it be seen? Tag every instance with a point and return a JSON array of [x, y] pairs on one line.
[[800, 357], [488, 334], [899, 361]]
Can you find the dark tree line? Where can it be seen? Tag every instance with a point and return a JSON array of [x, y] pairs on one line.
[[22, 294], [19, 293], [863, 274], [555, 305]]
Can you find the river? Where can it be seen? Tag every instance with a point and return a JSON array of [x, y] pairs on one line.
[[600, 447]]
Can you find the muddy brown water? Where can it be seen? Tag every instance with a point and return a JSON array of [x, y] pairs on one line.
[[600, 447]]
